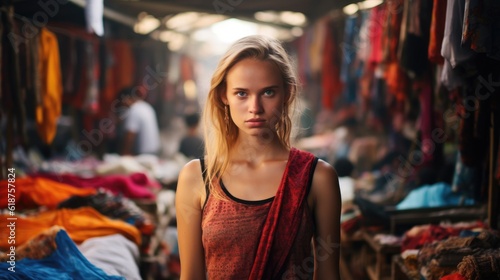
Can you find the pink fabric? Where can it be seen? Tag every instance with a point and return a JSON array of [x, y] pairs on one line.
[[136, 185]]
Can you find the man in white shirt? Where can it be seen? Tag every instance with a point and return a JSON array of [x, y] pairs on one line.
[[142, 135]]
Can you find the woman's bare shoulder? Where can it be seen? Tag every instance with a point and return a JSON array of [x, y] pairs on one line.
[[190, 181], [325, 179]]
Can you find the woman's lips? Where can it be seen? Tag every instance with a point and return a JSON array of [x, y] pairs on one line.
[[255, 122]]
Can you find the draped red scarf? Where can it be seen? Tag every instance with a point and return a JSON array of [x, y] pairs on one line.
[[284, 218]]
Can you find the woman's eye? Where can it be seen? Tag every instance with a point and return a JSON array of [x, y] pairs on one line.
[[269, 92], [241, 93]]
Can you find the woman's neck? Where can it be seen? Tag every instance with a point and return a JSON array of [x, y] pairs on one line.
[[255, 151]]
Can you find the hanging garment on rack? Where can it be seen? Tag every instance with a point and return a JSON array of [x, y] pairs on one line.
[[13, 98], [415, 39], [330, 76], [377, 19], [437, 31], [51, 86], [455, 55], [481, 27], [94, 10], [396, 78]]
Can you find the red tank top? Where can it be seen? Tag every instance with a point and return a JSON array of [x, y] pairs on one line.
[[232, 229]]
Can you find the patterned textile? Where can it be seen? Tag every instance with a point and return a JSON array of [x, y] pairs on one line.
[[264, 239]]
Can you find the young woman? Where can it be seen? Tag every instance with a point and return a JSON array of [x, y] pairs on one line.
[[254, 207]]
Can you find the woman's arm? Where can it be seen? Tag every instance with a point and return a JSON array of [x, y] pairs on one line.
[[326, 203], [190, 190]]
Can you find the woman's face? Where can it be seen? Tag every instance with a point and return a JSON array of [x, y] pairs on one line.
[[255, 94]]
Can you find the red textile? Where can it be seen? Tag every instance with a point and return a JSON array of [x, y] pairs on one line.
[[437, 31], [283, 219], [454, 276], [263, 239], [131, 186], [330, 78], [418, 236], [378, 17], [395, 76]]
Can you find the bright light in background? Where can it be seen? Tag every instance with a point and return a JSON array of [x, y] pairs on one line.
[[207, 20], [350, 9], [146, 23], [233, 29], [297, 31], [293, 18], [190, 89], [182, 19], [266, 16], [175, 40], [368, 4]]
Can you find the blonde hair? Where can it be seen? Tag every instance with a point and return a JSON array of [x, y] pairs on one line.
[[220, 136]]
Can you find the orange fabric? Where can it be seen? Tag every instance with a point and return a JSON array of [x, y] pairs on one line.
[[81, 224], [395, 76], [34, 192], [49, 110], [437, 31]]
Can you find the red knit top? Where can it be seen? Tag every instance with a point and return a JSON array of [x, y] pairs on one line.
[[232, 229]]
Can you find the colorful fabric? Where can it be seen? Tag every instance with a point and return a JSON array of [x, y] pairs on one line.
[[114, 207], [65, 263], [38, 247], [35, 192], [136, 185], [435, 195], [481, 26], [437, 31], [330, 74], [261, 239], [49, 110], [81, 224]]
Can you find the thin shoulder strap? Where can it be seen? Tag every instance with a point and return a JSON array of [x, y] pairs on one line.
[[311, 174], [204, 174]]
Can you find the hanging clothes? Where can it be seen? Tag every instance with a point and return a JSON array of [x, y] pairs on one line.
[[437, 31], [415, 37], [452, 51], [377, 19], [481, 27], [395, 77], [49, 110], [330, 74], [13, 95]]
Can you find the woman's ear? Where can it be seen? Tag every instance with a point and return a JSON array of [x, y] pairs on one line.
[[223, 97]]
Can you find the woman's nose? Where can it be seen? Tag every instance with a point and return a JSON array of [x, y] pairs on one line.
[[255, 105]]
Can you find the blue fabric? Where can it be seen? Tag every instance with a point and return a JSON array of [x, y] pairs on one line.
[[436, 195], [66, 263]]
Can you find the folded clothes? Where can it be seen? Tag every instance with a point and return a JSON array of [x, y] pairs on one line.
[[135, 186], [65, 262]]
